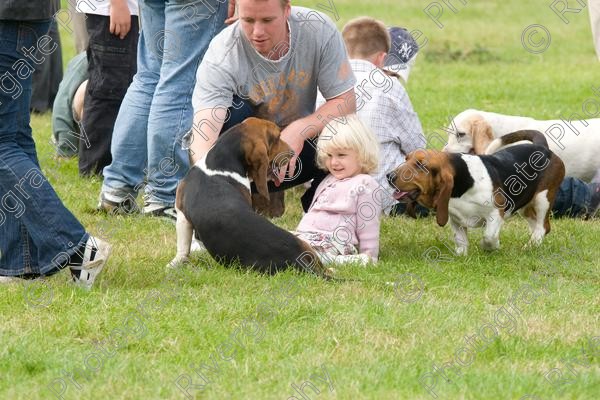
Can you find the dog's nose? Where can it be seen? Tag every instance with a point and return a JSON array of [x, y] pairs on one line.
[[391, 177]]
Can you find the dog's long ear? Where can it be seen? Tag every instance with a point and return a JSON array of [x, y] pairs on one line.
[[482, 135], [258, 161], [256, 144], [442, 196]]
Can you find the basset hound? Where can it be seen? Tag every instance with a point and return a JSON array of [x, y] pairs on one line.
[[474, 191], [214, 199], [576, 142]]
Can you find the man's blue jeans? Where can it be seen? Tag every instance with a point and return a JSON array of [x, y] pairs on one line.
[[573, 198], [157, 109], [37, 233]]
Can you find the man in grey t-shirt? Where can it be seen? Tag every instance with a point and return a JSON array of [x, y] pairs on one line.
[[274, 59]]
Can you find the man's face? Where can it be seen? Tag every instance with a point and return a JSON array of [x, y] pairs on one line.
[[265, 25]]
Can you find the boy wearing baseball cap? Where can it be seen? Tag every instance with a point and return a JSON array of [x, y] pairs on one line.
[[381, 101]]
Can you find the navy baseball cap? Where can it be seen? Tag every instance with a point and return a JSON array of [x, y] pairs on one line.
[[402, 53]]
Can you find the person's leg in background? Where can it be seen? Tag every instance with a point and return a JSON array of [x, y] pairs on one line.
[[111, 67], [124, 177], [576, 198], [48, 75], [594, 10], [67, 109], [39, 236], [189, 28], [77, 25]]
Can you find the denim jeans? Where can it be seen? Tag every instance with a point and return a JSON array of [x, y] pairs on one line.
[[572, 199], [157, 109], [37, 233]]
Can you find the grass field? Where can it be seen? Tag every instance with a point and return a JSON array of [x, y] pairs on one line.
[[536, 312]]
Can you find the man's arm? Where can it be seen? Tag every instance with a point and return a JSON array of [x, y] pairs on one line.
[[310, 126], [205, 130]]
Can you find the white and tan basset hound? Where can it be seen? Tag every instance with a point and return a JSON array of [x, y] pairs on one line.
[[480, 191], [577, 143]]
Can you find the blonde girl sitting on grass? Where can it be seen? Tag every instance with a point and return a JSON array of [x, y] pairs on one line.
[[342, 222]]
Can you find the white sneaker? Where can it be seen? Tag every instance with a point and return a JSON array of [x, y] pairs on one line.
[[159, 210], [9, 279], [95, 257]]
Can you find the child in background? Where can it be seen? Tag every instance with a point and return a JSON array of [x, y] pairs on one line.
[[113, 30], [67, 110], [382, 102], [342, 223]]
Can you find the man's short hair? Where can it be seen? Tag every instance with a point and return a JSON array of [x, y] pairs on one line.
[[365, 36], [282, 2]]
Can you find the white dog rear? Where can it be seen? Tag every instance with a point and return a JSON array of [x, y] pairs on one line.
[[577, 143]]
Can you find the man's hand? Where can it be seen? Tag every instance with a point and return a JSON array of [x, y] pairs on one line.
[[120, 18], [310, 126], [230, 13], [294, 137]]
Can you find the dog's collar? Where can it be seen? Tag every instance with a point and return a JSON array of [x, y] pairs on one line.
[[201, 163]]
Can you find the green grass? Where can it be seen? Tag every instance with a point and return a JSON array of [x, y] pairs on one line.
[[372, 344]]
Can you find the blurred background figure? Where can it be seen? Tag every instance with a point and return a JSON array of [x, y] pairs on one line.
[[594, 10], [77, 24], [68, 107], [48, 74]]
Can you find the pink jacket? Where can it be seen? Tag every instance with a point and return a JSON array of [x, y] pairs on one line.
[[349, 210]]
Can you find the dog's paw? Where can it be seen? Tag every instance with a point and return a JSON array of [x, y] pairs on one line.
[[461, 251], [490, 245], [532, 243], [177, 262], [535, 240]]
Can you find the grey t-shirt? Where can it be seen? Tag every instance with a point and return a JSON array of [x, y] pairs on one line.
[[283, 90]]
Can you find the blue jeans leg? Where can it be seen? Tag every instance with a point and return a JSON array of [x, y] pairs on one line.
[[189, 26], [125, 175], [157, 109], [572, 199], [37, 233]]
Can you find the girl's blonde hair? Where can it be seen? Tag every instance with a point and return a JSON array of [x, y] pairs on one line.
[[349, 133]]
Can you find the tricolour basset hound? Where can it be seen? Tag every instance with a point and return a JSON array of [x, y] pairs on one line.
[[214, 200], [576, 142], [474, 191]]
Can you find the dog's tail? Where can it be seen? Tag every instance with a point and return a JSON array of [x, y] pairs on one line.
[[535, 137]]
